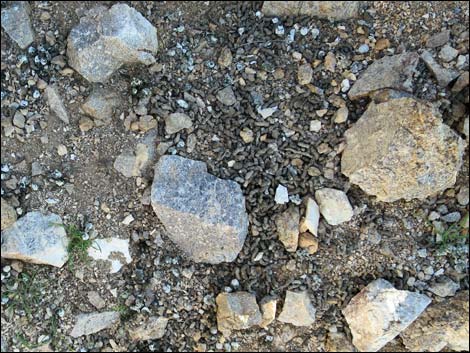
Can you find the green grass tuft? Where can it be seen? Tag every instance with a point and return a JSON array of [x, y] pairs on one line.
[[78, 247], [23, 295], [455, 234]]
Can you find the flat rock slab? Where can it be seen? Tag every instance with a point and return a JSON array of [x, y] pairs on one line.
[[333, 10], [100, 105], [203, 215], [105, 39], [87, 324], [401, 149], [115, 251], [135, 162], [444, 324], [380, 312], [394, 72], [152, 329], [298, 309], [16, 22], [237, 311], [8, 215], [36, 238]]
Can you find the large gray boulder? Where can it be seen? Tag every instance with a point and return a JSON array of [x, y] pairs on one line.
[[203, 215], [401, 149], [106, 39], [16, 22], [37, 238], [378, 313]]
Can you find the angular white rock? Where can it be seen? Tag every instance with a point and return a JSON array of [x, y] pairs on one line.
[[380, 312], [298, 309], [334, 205], [312, 217], [282, 195], [87, 324], [114, 250]]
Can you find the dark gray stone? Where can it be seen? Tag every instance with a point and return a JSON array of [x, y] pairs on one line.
[[203, 215]]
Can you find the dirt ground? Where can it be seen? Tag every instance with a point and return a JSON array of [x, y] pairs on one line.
[[284, 151]]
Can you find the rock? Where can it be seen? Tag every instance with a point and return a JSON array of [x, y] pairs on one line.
[[330, 62], [307, 241], [282, 195], [333, 10], [36, 238], [438, 39], [389, 72], [86, 124], [153, 329], [411, 156], [237, 311], [100, 105], [95, 299], [132, 163], [176, 122], [8, 215], [287, 225], [463, 196], [61, 150], [268, 311], [451, 217], [442, 75], [363, 48], [380, 312], [312, 217], [106, 39], [381, 44], [55, 103], [247, 135], [266, 112], [341, 115], [114, 251], [147, 123], [16, 22], [387, 94], [304, 74], [86, 324], [225, 57], [298, 309], [461, 82], [315, 125], [338, 342], [442, 325], [226, 96], [203, 215], [334, 205], [19, 120], [444, 287], [36, 169], [448, 53]]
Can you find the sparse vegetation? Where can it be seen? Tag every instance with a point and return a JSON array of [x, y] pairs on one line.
[[455, 234], [78, 246], [24, 294]]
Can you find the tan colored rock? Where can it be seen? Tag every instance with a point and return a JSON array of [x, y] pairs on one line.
[[287, 225], [381, 44], [389, 72], [333, 10], [86, 324], [338, 342], [176, 122], [330, 62], [304, 74], [268, 311], [379, 312], [237, 311], [147, 122], [400, 149], [334, 205], [309, 242], [55, 103], [86, 124], [298, 309], [152, 329], [442, 325], [100, 105], [247, 135], [8, 215], [341, 115], [225, 57]]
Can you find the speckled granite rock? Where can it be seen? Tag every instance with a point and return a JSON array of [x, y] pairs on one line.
[[203, 215], [378, 313], [36, 238], [106, 39], [16, 22], [400, 149]]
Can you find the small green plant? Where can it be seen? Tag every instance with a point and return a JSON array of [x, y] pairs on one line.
[[78, 246], [123, 311], [24, 293], [454, 234]]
